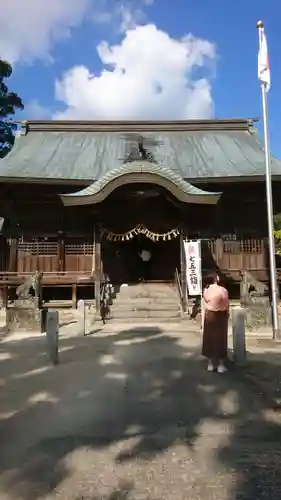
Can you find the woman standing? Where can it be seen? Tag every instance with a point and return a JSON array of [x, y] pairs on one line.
[[215, 323]]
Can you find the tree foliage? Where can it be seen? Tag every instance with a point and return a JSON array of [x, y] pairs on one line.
[[277, 232], [9, 103]]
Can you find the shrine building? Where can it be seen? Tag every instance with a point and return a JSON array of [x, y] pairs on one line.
[[81, 199]]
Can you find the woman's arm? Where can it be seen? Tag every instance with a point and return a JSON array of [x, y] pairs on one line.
[[226, 300], [202, 311], [203, 307]]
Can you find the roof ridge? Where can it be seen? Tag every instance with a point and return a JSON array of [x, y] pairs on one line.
[[138, 125]]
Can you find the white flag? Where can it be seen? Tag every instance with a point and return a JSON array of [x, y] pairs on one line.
[[263, 63]]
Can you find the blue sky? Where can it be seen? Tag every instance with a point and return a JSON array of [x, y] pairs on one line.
[[152, 72]]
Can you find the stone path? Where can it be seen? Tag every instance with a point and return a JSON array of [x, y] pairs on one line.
[[131, 414], [264, 365]]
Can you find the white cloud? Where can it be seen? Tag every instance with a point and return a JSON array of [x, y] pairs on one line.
[[33, 110], [30, 28], [124, 14], [149, 75], [129, 17]]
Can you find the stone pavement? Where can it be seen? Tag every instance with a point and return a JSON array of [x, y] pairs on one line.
[[131, 413], [263, 365]]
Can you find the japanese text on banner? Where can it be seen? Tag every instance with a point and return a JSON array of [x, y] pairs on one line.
[[193, 267]]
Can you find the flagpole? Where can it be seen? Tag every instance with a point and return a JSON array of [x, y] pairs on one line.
[[269, 203]]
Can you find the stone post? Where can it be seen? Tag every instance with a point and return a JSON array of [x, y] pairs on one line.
[[238, 334], [81, 316], [44, 313], [52, 333]]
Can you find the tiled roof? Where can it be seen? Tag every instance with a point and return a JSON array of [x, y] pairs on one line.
[[89, 150]]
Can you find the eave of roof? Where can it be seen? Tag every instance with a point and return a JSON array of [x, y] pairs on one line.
[[140, 172]]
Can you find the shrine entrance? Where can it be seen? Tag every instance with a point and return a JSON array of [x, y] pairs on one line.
[[141, 259], [140, 206], [140, 238]]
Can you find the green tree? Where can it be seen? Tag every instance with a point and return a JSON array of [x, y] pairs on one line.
[[277, 232], [9, 103]]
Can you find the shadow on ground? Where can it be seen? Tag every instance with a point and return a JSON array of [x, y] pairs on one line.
[[264, 362], [136, 393]]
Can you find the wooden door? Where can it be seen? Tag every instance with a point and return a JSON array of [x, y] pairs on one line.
[[37, 254], [79, 255]]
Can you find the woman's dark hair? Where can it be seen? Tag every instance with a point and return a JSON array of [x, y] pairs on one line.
[[210, 279]]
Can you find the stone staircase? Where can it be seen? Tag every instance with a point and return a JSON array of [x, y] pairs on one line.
[[152, 302]]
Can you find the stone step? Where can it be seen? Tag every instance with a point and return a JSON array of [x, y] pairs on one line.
[[140, 290], [149, 286], [144, 307], [143, 302], [64, 320], [155, 321], [165, 314], [146, 293], [158, 298]]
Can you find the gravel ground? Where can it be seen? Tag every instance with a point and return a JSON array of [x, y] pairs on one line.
[[132, 415]]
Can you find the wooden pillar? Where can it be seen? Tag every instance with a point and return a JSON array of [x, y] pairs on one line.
[[219, 252], [5, 296], [61, 254], [243, 288], [219, 219], [74, 295], [3, 253], [3, 300], [97, 268], [13, 255]]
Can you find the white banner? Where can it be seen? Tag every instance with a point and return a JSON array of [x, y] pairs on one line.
[[193, 267]]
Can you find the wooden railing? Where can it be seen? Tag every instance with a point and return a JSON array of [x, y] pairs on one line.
[[9, 281], [180, 292], [231, 256], [48, 278], [71, 260]]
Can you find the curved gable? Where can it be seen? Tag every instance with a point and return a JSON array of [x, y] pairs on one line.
[[140, 172]]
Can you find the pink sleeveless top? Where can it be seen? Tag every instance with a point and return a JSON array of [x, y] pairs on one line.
[[216, 298]]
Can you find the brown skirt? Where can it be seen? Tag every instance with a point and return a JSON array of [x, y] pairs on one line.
[[215, 334]]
